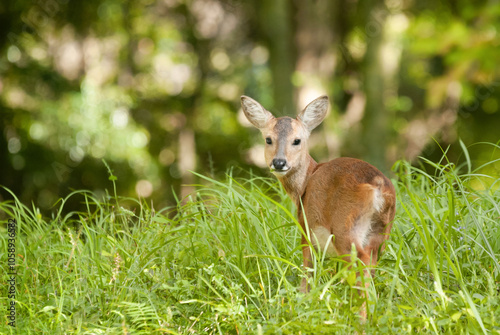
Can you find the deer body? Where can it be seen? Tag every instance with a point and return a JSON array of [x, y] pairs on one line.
[[346, 201]]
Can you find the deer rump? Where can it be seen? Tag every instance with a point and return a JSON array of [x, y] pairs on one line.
[[348, 201]]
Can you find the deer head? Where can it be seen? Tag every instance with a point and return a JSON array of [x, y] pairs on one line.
[[286, 138]]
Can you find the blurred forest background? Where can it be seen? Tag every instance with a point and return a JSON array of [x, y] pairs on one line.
[[153, 86]]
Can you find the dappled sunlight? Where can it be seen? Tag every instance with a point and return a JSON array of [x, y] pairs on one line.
[[255, 156], [153, 87], [144, 188], [169, 75], [259, 55], [209, 15], [101, 59], [120, 117], [68, 59]]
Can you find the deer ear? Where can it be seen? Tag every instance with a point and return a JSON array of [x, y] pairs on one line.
[[314, 113], [255, 113]]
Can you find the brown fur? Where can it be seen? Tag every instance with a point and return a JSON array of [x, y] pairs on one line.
[[341, 191]]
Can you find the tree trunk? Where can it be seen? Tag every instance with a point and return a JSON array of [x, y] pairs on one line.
[[275, 22], [375, 124], [319, 29]]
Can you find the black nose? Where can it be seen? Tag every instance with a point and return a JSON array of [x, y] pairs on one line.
[[279, 164]]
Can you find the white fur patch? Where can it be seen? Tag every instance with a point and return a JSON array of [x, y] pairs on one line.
[[363, 225], [378, 200], [362, 228]]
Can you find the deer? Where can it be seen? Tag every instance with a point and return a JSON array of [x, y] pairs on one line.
[[342, 203]]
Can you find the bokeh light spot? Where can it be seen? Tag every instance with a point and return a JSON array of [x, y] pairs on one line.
[[14, 145], [144, 188]]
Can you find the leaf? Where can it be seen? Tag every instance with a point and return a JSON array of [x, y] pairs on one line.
[[351, 278], [456, 316], [408, 308], [478, 296], [467, 157], [48, 308]]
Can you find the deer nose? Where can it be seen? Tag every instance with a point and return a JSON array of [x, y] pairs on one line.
[[279, 163]]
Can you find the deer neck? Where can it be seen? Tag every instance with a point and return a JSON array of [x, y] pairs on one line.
[[296, 180]]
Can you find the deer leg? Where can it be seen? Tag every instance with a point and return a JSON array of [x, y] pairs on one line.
[[366, 258], [369, 257], [306, 255]]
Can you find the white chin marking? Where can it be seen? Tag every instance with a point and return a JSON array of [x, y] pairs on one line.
[[280, 173]]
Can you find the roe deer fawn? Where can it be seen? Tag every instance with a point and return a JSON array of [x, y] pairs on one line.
[[346, 201]]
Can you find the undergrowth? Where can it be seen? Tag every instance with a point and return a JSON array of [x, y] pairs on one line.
[[227, 260]]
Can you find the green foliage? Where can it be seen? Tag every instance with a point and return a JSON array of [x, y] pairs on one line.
[[150, 85], [227, 260]]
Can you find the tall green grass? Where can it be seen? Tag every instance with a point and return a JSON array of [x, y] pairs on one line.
[[227, 260]]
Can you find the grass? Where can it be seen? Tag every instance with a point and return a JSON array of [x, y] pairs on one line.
[[228, 261]]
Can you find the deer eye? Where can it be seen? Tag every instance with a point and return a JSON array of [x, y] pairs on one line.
[[296, 142], [268, 140]]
